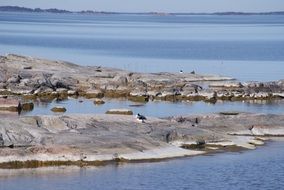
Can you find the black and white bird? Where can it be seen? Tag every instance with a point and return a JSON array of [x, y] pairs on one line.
[[141, 118], [181, 71]]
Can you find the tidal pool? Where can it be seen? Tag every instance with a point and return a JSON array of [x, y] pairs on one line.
[[157, 108]]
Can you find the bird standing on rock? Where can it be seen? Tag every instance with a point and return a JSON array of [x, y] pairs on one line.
[[141, 118]]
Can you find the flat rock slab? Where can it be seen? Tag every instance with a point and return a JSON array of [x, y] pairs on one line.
[[120, 137], [7, 104], [120, 111], [58, 109]]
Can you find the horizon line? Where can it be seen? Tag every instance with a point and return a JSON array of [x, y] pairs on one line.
[[51, 10]]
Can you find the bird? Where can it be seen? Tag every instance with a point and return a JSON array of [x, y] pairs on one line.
[[181, 71], [141, 118]]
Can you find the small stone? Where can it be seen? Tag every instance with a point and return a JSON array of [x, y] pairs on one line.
[[58, 109], [229, 113], [98, 101], [120, 111], [27, 106], [72, 92], [136, 105], [27, 67], [94, 94]]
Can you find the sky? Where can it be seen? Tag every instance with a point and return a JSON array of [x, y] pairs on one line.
[[154, 5]]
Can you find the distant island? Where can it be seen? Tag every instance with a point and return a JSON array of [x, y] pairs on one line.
[[52, 10], [55, 10]]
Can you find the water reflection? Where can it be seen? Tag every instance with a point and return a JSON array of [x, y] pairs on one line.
[[221, 171]]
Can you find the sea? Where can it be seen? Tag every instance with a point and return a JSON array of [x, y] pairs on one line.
[[245, 47], [258, 169]]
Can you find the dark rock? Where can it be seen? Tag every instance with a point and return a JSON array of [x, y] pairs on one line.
[[200, 142], [27, 67], [57, 83], [229, 113], [181, 119], [27, 106], [1, 140], [136, 105]]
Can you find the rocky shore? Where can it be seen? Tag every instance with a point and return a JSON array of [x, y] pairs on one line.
[[34, 141], [98, 139], [29, 78]]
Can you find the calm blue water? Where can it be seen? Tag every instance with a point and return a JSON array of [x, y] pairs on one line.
[[262, 168], [244, 47], [159, 108]]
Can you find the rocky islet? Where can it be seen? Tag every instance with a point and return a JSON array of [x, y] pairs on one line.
[[52, 79], [92, 139]]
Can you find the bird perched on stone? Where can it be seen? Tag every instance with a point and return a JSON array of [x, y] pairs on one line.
[[141, 118]]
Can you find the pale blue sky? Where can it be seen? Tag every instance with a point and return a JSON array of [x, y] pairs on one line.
[[154, 5]]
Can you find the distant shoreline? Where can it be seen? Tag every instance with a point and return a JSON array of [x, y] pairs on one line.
[[62, 11]]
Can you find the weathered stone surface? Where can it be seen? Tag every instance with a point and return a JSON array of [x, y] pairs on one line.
[[99, 137], [267, 130], [121, 80], [62, 90], [47, 77], [72, 92], [94, 94], [226, 85], [8, 104], [14, 79]]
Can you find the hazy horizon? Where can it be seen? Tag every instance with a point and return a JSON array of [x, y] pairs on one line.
[[202, 6]]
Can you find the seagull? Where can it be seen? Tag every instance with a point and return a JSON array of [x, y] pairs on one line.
[[141, 118]]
